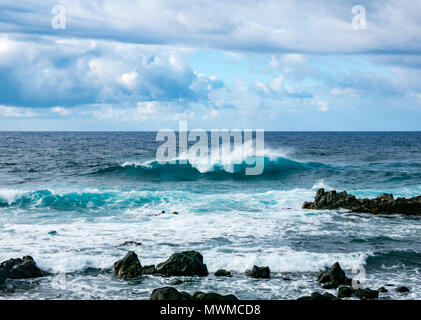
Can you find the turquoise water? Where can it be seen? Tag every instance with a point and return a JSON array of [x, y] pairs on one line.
[[69, 200]]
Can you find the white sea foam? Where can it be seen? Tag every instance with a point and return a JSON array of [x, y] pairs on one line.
[[228, 160], [11, 195]]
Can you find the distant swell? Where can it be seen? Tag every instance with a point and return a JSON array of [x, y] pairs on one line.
[[273, 169], [389, 259]]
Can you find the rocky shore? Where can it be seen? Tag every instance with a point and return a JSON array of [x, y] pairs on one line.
[[191, 264], [383, 204]]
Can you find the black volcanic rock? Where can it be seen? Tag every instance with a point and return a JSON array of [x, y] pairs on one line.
[[222, 273], [317, 296], [169, 293], [212, 296], [383, 204], [333, 277], [187, 263], [259, 272], [148, 270], [129, 243], [402, 289], [366, 294], [345, 292], [128, 267], [18, 268]]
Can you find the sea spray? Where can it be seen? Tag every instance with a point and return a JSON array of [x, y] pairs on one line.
[[243, 150]]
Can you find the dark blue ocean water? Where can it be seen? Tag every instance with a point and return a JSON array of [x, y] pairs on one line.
[[69, 199]]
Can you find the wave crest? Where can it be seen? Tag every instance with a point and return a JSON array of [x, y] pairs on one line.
[[194, 169]]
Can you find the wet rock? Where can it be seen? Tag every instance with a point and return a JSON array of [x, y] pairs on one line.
[[148, 270], [169, 293], [402, 289], [177, 282], [187, 263], [18, 268], [366, 294], [345, 292], [259, 272], [129, 243], [200, 296], [382, 290], [222, 273], [128, 267], [333, 277], [317, 296], [383, 204]]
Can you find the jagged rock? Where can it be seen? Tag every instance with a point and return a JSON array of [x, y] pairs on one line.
[[149, 270], [402, 289], [383, 204], [382, 290], [200, 296], [128, 267], [333, 277], [169, 293], [129, 243], [222, 273], [187, 263], [18, 268], [259, 272], [320, 297], [366, 294]]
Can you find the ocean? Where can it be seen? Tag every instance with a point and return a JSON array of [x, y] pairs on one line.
[[69, 200]]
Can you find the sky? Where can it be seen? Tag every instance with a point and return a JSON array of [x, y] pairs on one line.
[[145, 65]]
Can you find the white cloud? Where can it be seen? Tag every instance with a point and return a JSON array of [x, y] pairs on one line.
[[128, 79], [347, 91], [8, 111], [276, 84], [270, 26], [211, 115], [60, 110], [322, 106]]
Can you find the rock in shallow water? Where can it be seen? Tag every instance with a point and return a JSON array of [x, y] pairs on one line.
[[222, 273], [24, 268], [128, 267], [212, 296], [187, 263], [402, 289], [259, 272], [345, 292], [129, 243], [383, 204], [333, 277], [148, 270], [317, 296], [170, 293], [366, 294]]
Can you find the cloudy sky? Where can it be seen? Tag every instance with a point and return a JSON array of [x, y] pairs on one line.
[[273, 65]]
